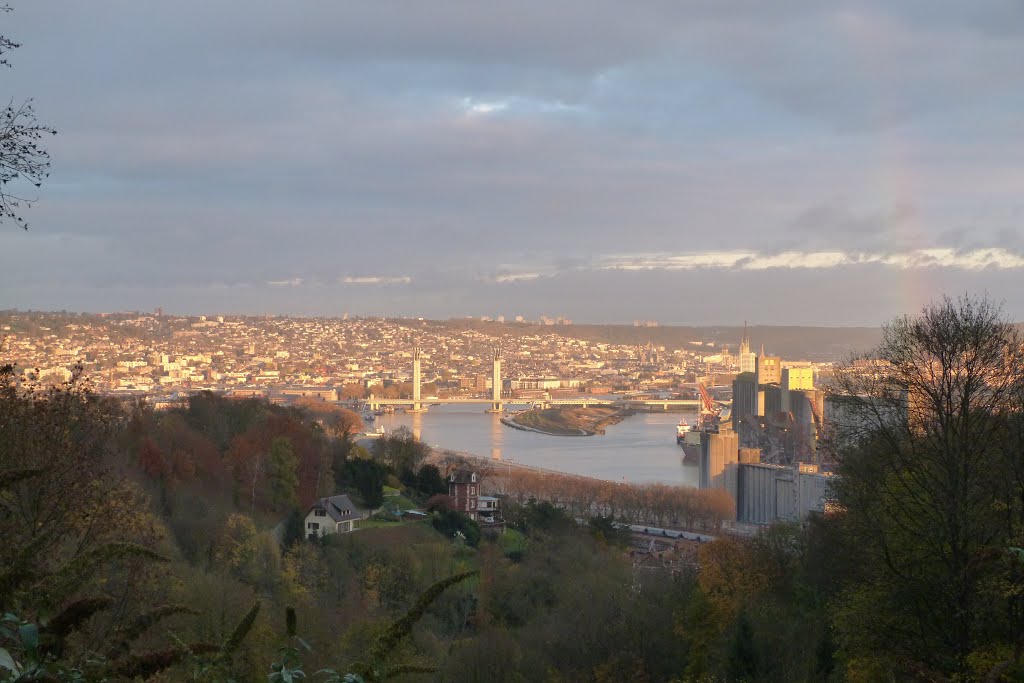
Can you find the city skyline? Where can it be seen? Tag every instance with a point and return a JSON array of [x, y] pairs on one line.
[[695, 165]]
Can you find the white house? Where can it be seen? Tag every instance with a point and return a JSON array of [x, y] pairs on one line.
[[488, 509], [331, 515]]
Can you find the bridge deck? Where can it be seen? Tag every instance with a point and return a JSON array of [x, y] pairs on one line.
[[530, 401]]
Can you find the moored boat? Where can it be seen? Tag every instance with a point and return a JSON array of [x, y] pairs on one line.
[[682, 429], [688, 436]]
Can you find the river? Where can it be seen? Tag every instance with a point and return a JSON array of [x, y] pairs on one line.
[[639, 449]]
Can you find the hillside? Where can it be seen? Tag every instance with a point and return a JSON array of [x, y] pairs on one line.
[[820, 344]]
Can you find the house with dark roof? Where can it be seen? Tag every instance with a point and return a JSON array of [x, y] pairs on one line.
[[336, 514], [463, 489]]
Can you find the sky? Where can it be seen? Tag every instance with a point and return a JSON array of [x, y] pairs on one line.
[[700, 162]]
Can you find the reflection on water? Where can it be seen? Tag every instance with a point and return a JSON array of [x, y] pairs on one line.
[[416, 424], [497, 435], [641, 448]]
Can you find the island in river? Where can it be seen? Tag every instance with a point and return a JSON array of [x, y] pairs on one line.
[[567, 421]]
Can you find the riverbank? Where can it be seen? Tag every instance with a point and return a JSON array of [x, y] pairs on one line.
[[648, 439], [439, 456], [567, 421]]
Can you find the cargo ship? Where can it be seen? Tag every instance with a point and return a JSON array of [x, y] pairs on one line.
[[682, 429], [688, 438]]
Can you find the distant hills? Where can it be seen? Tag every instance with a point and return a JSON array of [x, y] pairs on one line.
[[819, 344]]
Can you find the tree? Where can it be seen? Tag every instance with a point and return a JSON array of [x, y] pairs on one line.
[[448, 522], [337, 422], [79, 547], [246, 457], [283, 479], [401, 451], [931, 486], [22, 156], [429, 480], [368, 477]]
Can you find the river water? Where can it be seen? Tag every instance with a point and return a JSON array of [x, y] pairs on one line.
[[639, 449]]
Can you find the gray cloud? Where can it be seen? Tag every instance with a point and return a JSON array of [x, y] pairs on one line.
[[487, 153]]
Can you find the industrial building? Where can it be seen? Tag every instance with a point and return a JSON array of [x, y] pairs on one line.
[[773, 493], [763, 493]]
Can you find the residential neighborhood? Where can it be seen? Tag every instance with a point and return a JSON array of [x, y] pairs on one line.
[[166, 357]]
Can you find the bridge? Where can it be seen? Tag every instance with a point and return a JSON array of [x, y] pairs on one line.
[[496, 403], [374, 403]]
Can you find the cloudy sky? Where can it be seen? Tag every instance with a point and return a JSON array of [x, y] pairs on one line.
[[690, 162]]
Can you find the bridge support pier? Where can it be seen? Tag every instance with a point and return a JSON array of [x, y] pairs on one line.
[[417, 407], [496, 406]]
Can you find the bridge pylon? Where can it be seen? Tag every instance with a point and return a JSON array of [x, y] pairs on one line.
[[496, 406], [417, 406]]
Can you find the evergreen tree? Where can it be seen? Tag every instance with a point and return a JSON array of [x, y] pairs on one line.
[[284, 479]]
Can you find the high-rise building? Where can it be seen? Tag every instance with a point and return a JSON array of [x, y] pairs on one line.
[[744, 395], [795, 380], [772, 394], [768, 369], [798, 378], [747, 357]]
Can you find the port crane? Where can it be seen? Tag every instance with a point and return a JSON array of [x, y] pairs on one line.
[[709, 411]]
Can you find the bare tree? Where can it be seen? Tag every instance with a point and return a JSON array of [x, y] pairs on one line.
[[23, 158]]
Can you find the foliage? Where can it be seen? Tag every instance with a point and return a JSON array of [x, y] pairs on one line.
[[654, 504], [401, 451], [606, 529], [373, 668], [430, 482], [181, 504], [538, 517], [368, 477], [282, 473], [455, 524], [929, 458], [294, 528], [23, 158]]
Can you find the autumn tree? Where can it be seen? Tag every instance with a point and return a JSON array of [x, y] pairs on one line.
[[929, 465], [61, 501], [401, 451], [248, 465], [337, 422], [353, 390], [84, 561], [24, 159]]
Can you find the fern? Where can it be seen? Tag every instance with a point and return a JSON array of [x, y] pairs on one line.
[[241, 631], [145, 665], [73, 616], [403, 626], [65, 580], [146, 620], [19, 569], [400, 669], [387, 641]]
